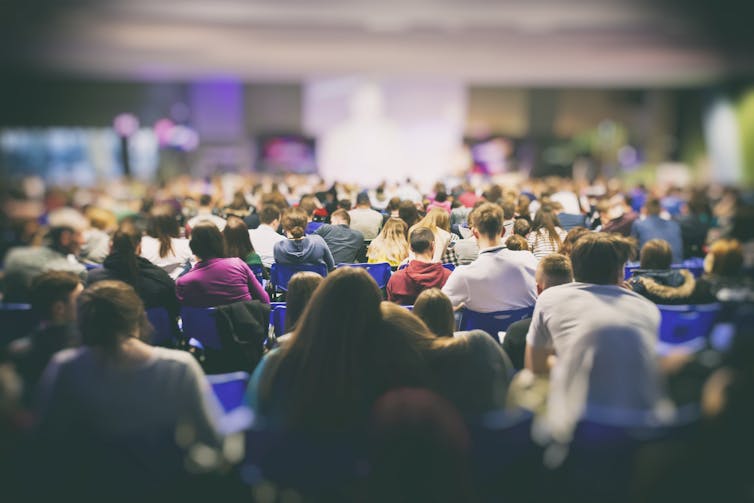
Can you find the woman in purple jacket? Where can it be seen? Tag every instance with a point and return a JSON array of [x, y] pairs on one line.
[[216, 280]]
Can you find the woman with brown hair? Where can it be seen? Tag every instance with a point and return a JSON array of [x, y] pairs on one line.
[[300, 248], [546, 235], [391, 245], [434, 308], [237, 242], [163, 245]]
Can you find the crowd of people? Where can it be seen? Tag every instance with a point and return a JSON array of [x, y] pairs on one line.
[[385, 374]]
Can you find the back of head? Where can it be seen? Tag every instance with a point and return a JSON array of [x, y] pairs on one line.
[[435, 309], [421, 240], [408, 213], [163, 225], [656, 254], [573, 235], [487, 219], [207, 241], [521, 227], [554, 269], [509, 209], [599, 258], [653, 206], [51, 287], [300, 289], [269, 214], [108, 312], [294, 222], [436, 218], [393, 204], [362, 199], [125, 244], [308, 204], [237, 241], [205, 200], [340, 216], [725, 258], [546, 219], [517, 243], [101, 219]]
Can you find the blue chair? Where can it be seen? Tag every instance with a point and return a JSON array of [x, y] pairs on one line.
[[278, 320], [229, 389], [494, 322], [90, 267], [16, 320], [280, 274], [628, 270], [686, 326], [258, 271], [159, 318], [380, 271], [199, 323], [449, 267]]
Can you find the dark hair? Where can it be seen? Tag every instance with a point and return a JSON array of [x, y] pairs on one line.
[[599, 258], [509, 209], [343, 214], [50, 287], [207, 241], [300, 289], [294, 222], [308, 204], [239, 202], [363, 199], [421, 239], [556, 268], [237, 241], [205, 200], [108, 312], [441, 197], [573, 235], [656, 254], [653, 206], [487, 219], [345, 204], [163, 226], [517, 243], [269, 214], [408, 213], [125, 242], [546, 219], [521, 227], [435, 309], [55, 236], [393, 204]]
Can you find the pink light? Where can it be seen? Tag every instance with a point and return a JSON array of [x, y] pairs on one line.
[[163, 129], [125, 125]]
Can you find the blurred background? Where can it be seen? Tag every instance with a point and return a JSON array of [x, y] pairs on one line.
[[366, 91]]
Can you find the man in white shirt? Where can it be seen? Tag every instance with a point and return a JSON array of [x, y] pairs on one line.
[[603, 337], [499, 279], [205, 213], [264, 237], [364, 219]]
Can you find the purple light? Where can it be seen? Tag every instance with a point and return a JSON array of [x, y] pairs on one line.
[[184, 138], [163, 129], [125, 125]]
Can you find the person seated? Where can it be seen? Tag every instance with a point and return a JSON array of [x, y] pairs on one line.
[[105, 399], [364, 219], [102, 223], [437, 220], [517, 243], [571, 238], [521, 227], [237, 242], [299, 248], [421, 273], [216, 280], [300, 289], [265, 236], [659, 283], [434, 308], [603, 337], [653, 226], [162, 245], [344, 243], [24, 263], [238, 207], [391, 245], [53, 297], [546, 235], [152, 284], [499, 279], [205, 213], [552, 270], [723, 273]]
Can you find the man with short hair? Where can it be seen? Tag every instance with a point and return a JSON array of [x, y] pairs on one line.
[[264, 237], [364, 219], [204, 213], [552, 270], [53, 297], [421, 273], [653, 226], [603, 337], [499, 279], [344, 242], [24, 263]]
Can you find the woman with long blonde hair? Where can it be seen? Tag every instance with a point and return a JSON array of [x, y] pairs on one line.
[[438, 221], [390, 245]]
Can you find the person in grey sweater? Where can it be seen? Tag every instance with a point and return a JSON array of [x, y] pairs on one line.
[[300, 248], [344, 242]]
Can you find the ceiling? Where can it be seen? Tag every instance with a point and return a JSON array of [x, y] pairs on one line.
[[520, 42]]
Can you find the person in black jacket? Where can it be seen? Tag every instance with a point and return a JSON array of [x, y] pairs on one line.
[[152, 284]]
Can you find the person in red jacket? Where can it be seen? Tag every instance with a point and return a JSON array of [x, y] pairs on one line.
[[406, 284]]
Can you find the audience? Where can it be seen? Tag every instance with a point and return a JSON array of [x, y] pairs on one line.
[[216, 280], [300, 248], [162, 245], [653, 226], [499, 279], [546, 236], [420, 273], [364, 219], [265, 236], [391, 245], [434, 308], [344, 243]]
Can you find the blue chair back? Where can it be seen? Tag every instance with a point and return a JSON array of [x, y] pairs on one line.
[[16, 320], [280, 274], [278, 320], [229, 389], [258, 271], [694, 265], [686, 326], [449, 267], [199, 324], [163, 326], [495, 322], [380, 271]]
